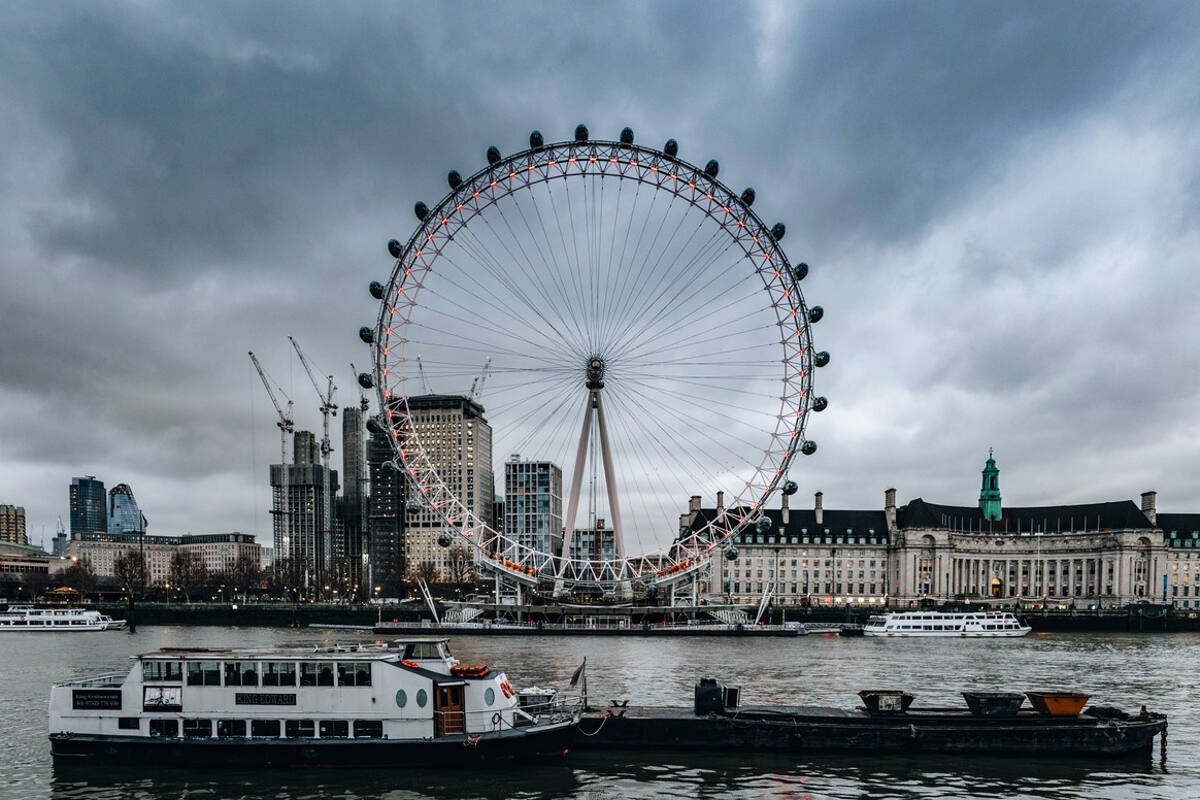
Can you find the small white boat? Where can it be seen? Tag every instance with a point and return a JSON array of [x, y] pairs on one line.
[[977, 624], [28, 618], [404, 703]]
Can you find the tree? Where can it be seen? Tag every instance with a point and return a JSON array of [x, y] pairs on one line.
[[425, 571], [34, 583], [289, 577], [245, 574], [461, 567], [80, 576], [132, 572], [187, 572]]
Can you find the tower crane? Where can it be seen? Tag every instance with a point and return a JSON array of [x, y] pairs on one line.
[[424, 381], [480, 379], [286, 426]]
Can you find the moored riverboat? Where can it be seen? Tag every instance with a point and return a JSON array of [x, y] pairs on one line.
[[976, 625], [401, 703], [887, 723], [65, 620]]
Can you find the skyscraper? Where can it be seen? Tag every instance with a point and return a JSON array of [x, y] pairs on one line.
[[458, 441], [533, 504], [302, 544], [124, 516], [385, 516], [89, 506], [353, 506], [12, 524]]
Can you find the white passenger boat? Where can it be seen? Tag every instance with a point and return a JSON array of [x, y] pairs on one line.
[[28, 618], [403, 703], [979, 624]]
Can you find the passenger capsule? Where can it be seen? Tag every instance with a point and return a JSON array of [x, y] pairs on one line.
[[799, 272], [493, 155], [454, 179], [421, 210], [815, 313], [651, 592], [712, 168], [365, 380], [821, 358], [808, 448], [731, 553], [671, 148], [444, 539], [778, 230], [376, 289], [392, 465], [820, 404], [395, 248], [373, 426], [366, 334], [626, 135], [412, 505], [581, 133], [763, 524], [536, 140], [790, 488], [748, 197]]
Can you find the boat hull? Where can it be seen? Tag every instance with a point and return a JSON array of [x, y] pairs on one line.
[[812, 730], [456, 751]]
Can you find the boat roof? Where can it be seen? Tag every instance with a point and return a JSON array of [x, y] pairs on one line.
[[349, 650]]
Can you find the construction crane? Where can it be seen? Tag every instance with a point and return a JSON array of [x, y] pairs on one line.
[[286, 426], [328, 407], [424, 381], [480, 379], [363, 402]]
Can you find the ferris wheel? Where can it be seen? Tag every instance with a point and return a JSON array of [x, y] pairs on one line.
[[642, 331]]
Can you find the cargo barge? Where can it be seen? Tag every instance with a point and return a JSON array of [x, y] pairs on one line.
[[994, 725]]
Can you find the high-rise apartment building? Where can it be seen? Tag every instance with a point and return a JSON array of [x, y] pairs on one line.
[[533, 504], [385, 516], [124, 516], [89, 506], [12, 524], [458, 441], [301, 535], [352, 509]]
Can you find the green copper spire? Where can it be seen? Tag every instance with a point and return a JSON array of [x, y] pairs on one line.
[[989, 494]]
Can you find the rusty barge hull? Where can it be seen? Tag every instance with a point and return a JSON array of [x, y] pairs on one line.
[[812, 729]]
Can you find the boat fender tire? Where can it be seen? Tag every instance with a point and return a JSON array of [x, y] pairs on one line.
[[496, 718]]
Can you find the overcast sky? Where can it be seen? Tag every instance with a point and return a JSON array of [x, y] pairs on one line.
[[998, 201]]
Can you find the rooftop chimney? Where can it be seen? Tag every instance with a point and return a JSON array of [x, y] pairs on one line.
[[889, 508], [720, 502], [785, 514], [1148, 499], [694, 503], [819, 509]]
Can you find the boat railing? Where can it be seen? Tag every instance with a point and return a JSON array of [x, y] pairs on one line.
[[110, 680]]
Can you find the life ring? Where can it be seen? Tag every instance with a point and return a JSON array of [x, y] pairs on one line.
[[410, 664], [507, 689]]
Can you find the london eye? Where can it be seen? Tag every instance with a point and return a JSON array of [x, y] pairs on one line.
[[643, 331]]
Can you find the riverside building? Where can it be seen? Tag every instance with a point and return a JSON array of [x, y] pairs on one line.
[[1101, 554], [533, 504], [12, 525], [89, 505], [217, 551], [305, 495], [458, 440]]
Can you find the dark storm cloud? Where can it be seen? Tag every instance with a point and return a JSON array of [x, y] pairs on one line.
[[999, 202]]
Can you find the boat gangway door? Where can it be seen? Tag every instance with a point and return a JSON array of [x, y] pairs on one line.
[[732, 696], [449, 713]]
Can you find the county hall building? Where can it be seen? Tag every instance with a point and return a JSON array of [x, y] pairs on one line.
[[1105, 554]]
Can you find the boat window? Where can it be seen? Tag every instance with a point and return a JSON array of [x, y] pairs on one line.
[[353, 674], [264, 728], [164, 727], [241, 673], [298, 728], [198, 728], [335, 729], [489, 695], [325, 674], [231, 729], [308, 674], [422, 698], [129, 723], [415, 650], [204, 673], [162, 671], [401, 699], [368, 729], [279, 673]]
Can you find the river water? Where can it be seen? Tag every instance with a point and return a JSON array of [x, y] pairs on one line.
[[1127, 670]]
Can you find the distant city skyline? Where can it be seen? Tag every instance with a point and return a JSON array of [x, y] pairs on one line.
[[997, 202]]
